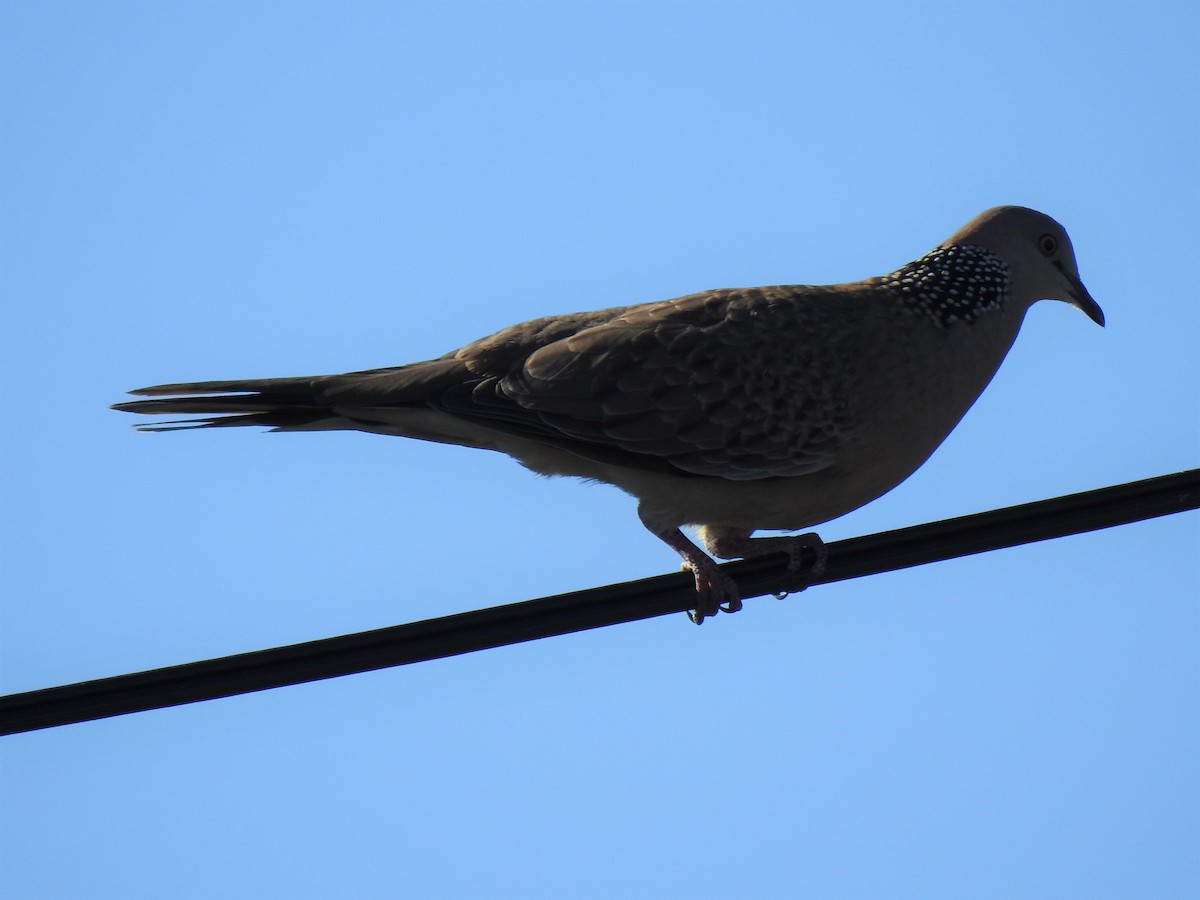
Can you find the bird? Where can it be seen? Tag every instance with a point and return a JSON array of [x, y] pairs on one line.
[[727, 411]]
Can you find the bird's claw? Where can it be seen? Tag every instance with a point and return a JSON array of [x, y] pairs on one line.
[[715, 591]]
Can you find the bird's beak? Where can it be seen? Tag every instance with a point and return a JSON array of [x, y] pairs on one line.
[[1081, 299]]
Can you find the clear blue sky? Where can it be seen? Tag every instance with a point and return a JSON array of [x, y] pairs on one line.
[[209, 190]]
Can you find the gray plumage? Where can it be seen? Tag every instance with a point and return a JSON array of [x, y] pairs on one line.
[[732, 410]]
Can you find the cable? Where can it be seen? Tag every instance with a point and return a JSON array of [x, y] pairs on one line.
[[593, 608]]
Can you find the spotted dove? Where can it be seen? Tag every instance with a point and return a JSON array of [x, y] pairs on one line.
[[731, 410]]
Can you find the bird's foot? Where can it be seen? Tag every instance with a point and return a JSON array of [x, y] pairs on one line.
[[715, 591], [733, 546]]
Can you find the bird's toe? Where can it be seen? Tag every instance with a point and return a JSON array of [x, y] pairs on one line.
[[715, 591]]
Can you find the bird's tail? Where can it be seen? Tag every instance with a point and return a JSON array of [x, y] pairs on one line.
[[282, 403]]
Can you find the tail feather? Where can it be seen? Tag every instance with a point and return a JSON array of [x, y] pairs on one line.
[[265, 420], [291, 387], [216, 405]]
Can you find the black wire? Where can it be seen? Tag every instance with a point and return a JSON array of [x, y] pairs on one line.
[[593, 608]]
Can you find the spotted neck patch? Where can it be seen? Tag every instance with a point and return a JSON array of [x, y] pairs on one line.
[[951, 284]]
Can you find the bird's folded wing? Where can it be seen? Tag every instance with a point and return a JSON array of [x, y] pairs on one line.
[[724, 383]]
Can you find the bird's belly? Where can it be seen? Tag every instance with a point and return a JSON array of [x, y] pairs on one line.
[[868, 466], [772, 503]]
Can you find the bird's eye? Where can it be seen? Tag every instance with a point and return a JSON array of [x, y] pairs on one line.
[[1048, 244]]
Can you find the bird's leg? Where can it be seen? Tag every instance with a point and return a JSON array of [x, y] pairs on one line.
[[715, 591], [731, 544]]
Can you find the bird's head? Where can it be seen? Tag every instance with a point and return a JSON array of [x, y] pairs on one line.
[[1038, 252]]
